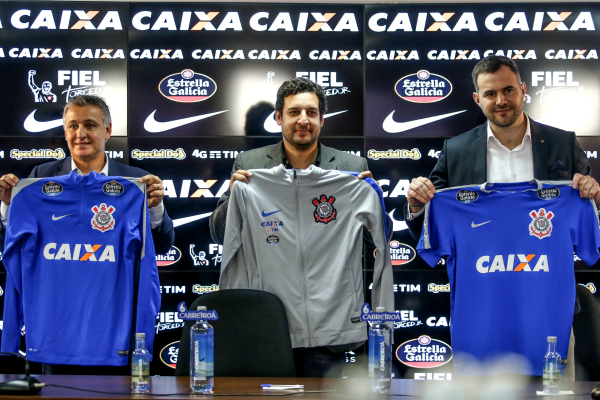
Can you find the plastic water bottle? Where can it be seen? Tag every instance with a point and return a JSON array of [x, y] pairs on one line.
[[551, 376], [140, 365], [380, 355], [202, 367]]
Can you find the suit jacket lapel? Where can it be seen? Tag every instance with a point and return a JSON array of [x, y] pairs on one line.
[[274, 155], [327, 158], [539, 146], [64, 168], [479, 154]]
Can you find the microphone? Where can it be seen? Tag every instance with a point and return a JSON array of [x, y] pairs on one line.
[[27, 385]]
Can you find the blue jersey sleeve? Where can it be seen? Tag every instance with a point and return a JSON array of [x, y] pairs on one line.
[[19, 242], [585, 232], [148, 300], [437, 235]]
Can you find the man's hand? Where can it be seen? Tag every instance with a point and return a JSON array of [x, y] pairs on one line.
[[155, 189], [365, 174], [588, 187], [239, 175], [420, 191], [7, 182]]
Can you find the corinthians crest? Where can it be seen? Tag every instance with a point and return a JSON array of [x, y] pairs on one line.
[[103, 219], [541, 225], [324, 212]]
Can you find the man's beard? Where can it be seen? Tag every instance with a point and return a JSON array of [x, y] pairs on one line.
[[505, 123]]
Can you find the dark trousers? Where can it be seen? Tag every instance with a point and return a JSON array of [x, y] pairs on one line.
[[318, 362]]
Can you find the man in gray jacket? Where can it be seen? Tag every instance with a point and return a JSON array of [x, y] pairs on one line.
[[299, 110]]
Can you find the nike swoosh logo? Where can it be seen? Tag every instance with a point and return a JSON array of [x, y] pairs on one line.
[[31, 125], [264, 214], [271, 126], [391, 126], [187, 220], [474, 225], [397, 225], [57, 218], [154, 126]]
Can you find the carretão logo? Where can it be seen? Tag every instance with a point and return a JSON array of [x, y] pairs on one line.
[[423, 87], [187, 87], [424, 352]]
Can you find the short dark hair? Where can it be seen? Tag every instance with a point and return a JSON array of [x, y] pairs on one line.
[[89, 100], [491, 64], [300, 85]]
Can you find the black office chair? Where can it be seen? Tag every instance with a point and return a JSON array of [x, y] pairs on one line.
[[252, 336], [586, 328]]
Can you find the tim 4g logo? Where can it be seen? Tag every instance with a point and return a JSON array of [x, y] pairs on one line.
[[65, 252], [498, 264]]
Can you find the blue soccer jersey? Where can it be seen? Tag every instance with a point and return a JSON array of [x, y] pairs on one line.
[[509, 250], [82, 273]]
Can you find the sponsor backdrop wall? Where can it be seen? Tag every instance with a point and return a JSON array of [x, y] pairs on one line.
[[193, 85]]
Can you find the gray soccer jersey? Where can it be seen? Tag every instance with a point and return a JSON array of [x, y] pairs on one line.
[[299, 234]]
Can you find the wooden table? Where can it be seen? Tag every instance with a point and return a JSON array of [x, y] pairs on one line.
[[338, 389]]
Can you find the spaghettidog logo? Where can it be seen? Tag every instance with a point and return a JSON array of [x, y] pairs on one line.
[[187, 87], [424, 352], [423, 87], [177, 154]]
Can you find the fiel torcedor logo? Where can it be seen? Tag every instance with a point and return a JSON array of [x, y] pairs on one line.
[[423, 87], [187, 86], [424, 352]]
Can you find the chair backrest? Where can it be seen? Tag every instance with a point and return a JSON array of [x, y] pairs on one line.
[[586, 328], [252, 336]]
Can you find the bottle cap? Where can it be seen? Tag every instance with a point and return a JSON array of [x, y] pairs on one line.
[[380, 309], [201, 308], [551, 339], [139, 336]]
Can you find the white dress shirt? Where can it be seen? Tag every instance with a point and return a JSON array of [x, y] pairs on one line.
[[504, 165], [156, 213]]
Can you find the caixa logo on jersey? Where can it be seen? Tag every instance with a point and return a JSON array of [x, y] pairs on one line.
[[423, 87], [401, 253], [187, 87], [169, 354], [172, 256], [424, 352]]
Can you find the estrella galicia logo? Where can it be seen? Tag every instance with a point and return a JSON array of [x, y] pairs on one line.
[[52, 189], [401, 253], [187, 87], [169, 354], [272, 239], [423, 87], [424, 352], [549, 194], [466, 196], [113, 188], [172, 256]]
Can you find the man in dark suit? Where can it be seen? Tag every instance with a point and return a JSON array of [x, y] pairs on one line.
[[299, 110], [87, 125], [509, 147]]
